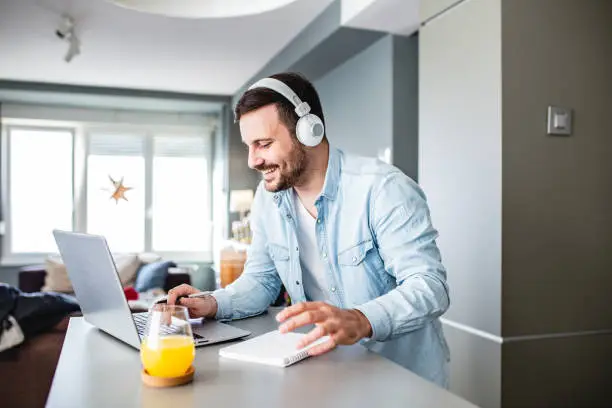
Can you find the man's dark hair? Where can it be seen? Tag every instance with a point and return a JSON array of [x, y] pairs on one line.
[[260, 97]]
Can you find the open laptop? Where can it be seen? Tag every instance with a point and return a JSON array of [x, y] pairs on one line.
[[97, 287]]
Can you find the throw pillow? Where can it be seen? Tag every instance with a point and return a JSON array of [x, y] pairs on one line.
[[56, 279], [149, 257], [127, 268], [153, 275]]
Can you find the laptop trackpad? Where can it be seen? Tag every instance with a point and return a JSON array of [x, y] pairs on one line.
[[216, 332]]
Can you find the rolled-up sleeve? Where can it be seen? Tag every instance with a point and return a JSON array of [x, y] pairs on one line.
[[259, 283]]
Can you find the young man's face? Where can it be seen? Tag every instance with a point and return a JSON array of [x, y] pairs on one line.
[[273, 151]]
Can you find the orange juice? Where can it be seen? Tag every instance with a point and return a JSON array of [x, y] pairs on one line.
[[169, 356]]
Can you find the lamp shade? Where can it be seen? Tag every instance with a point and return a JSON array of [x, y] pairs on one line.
[[240, 200]]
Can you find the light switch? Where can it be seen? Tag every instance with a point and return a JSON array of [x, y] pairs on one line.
[[559, 121]]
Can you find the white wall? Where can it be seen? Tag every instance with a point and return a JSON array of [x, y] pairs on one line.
[[429, 8], [460, 152], [351, 8], [460, 169]]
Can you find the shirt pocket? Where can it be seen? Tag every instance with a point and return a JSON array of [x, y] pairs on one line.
[[363, 258], [280, 256], [355, 255]]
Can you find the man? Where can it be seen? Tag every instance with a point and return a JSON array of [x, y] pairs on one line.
[[349, 237]]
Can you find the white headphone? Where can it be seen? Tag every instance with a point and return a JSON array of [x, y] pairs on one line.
[[309, 128]]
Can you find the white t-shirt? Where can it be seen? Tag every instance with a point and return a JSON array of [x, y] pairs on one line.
[[313, 269]]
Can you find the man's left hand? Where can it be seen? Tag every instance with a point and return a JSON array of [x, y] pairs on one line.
[[344, 326]]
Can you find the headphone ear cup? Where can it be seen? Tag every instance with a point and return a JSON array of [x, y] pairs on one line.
[[310, 130]]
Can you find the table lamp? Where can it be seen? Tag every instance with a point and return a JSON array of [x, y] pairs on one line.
[[240, 201]]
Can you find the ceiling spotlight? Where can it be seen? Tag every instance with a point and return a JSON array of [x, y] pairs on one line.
[[65, 31]]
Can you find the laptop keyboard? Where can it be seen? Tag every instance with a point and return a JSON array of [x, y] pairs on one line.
[[140, 320]]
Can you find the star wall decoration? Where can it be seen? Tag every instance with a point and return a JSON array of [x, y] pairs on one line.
[[118, 191]]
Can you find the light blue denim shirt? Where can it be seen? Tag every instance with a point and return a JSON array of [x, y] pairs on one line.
[[378, 245]]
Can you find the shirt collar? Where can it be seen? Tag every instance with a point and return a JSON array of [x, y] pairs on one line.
[[332, 175]]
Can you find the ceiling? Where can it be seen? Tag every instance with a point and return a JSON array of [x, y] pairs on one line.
[[123, 48], [394, 16], [199, 8]]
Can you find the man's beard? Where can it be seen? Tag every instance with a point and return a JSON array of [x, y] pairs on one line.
[[289, 175]]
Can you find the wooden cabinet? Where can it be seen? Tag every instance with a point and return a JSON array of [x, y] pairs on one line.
[[231, 263]]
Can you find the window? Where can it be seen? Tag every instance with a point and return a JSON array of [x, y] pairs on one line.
[[39, 187], [62, 177], [117, 157], [180, 203]]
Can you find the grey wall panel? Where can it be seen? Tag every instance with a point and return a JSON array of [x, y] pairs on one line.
[[557, 191], [564, 372], [357, 101], [339, 47], [220, 181], [405, 150], [240, 175]]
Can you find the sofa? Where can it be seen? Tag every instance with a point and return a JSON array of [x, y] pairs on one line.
[[27, 370], [32, 279]]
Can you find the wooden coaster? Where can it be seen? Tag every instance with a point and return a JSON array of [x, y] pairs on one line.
[[159, 382]]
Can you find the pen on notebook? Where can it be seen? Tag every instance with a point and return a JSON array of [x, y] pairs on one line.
[[193, 295]]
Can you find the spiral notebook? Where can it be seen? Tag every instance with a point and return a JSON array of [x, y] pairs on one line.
[[273, 348]]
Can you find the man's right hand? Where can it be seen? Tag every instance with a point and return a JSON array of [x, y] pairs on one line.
[[198, 307]]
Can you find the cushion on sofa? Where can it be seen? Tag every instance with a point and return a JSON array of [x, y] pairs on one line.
[[149, 257], [57, 279], [152, 275], [127, 267]]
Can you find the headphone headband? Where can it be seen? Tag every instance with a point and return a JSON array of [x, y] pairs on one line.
[[309, 128], [301, 108]]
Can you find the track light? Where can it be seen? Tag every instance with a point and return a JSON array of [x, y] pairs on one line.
[[65, 31]]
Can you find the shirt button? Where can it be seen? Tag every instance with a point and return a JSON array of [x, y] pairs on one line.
[[297, 249], [333, 288], [288, 216], [297, 282], [318, 220], [324, 255]]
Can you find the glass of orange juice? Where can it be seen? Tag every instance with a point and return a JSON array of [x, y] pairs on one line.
[[167, 348]]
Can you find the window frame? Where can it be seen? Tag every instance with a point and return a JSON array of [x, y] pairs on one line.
[[81, 133]]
